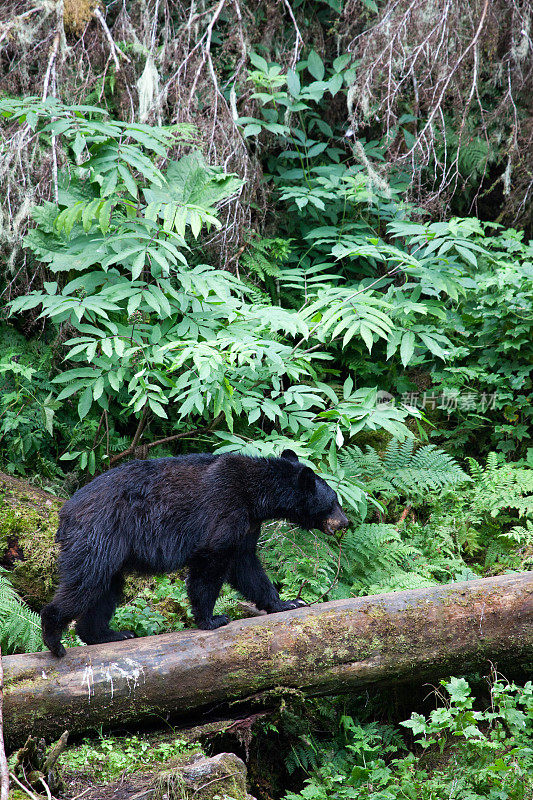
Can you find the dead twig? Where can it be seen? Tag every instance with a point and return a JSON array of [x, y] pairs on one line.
[[333, 582], [438, 104], [51, 60], [175, 437], [298, 42], [207, 47], [115, 51], [50, 73], [438, 58], [46, 789], [22, 787], [6, 27], [404, 514]]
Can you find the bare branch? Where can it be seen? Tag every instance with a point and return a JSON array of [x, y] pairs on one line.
[[436, 60], [298, 43], [53, 54], [22, 787], [115, 51], [207, 47], [450, 75]]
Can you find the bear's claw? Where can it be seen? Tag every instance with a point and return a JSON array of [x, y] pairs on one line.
[[288, 605], [215, 622]]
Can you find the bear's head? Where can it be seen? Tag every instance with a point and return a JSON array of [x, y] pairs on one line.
[[318, 505]]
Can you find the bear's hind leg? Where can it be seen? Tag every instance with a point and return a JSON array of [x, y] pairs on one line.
[[204, 582], [55, 617], [93, 625]]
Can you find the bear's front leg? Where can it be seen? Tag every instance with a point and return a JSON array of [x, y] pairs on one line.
[[204, 582], [250, 579]]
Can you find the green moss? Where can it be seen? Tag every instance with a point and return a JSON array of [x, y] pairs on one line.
[[28, 524], [223, 775], [29, 681], [252, 640]]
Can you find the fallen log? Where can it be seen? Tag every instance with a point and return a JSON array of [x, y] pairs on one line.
[[399, 637]]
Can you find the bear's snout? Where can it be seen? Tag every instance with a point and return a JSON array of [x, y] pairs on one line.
[[335, 523]]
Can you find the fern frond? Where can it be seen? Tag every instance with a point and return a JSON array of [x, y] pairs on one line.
[[20, 627], [399, 581], [304, 754], [502, 486], [402, 471], [262, 256], [374, 555], [398, 455]]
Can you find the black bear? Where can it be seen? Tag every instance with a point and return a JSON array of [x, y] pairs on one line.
[[154, 516]]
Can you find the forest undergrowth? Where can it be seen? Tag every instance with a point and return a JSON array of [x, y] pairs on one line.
[[245, 227]]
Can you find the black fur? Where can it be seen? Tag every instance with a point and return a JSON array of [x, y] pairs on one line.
[[155, 516]]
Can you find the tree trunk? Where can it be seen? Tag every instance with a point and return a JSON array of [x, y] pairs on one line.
[[399, 637]]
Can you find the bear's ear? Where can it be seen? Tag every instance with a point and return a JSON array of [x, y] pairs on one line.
[[306, 479], [290, 455]]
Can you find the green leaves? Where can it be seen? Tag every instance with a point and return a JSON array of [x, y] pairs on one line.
[[190, 195], [407, 347], [86, 399], [491, 748], [350, 312], [422, 337], [293, 83], [315, 65], [160, 334], [450, 241]]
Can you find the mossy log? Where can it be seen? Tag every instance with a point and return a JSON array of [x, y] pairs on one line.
[[399, 637]]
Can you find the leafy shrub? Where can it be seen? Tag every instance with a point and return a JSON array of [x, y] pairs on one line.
[[483, 754], [489, 367], [138, 616], [162, 340]]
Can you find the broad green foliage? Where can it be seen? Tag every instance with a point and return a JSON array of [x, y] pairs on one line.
[[462, 311], [166, 607], [20, 627], [163, 607], [467, 753], [159, 334], [163, 340], [490, 361], [27, 405]]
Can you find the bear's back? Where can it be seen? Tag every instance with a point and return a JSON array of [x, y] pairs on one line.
[[136, 484]]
